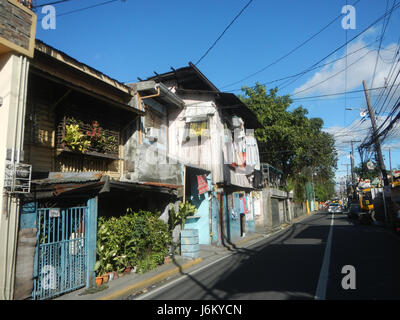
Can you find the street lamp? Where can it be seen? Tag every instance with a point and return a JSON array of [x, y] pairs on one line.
[[363, 112]]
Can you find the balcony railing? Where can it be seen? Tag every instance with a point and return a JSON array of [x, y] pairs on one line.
[[89, 139]]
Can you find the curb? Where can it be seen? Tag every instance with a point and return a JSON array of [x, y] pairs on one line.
[[125, 291]]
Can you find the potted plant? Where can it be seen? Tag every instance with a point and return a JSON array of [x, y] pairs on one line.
[[179, 218], [111, 276], [74, 139], [105, 277], [99, 281]]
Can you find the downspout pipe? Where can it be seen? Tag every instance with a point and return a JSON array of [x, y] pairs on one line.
[[162, 92]]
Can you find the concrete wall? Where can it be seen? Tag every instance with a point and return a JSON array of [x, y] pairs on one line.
[[279, 208], [13, 84]]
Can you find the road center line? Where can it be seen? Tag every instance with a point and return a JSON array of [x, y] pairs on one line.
[[320, 294]]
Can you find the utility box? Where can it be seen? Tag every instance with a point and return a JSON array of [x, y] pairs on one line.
[[190, 243]]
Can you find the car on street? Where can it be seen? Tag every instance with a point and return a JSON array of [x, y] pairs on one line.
[[335, 208], [354, 211]]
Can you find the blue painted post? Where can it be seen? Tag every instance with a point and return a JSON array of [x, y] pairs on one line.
[[235, 227], [91, 231], [214, 219]]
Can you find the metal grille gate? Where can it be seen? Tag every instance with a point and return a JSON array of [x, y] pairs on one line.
[[61, 251]]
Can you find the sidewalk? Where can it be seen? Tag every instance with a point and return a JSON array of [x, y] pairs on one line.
[[121, 288]]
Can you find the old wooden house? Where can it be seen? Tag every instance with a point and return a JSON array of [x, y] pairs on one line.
[[79, 125], [211, 137]]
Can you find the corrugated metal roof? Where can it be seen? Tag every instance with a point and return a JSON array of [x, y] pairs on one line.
[[69, 177]]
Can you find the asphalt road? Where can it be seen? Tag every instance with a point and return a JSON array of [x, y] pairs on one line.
[[304, 262]]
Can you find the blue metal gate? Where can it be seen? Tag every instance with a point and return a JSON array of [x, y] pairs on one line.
[[61, 257]]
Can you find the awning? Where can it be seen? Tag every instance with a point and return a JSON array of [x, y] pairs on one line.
[[199, 111], [59, 184]]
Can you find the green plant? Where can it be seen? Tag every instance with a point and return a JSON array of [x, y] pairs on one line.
[[131, 240], [147, 263], [110, 144], [75, 139], [175, 218], [96, 136]]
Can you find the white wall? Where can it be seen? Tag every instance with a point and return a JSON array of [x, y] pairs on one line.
[[13, 85], [207, 155]]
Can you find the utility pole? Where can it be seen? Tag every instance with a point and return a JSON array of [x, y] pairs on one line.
[[352, 170], [377, 147], [376, 140], [352, 166], [347, 173], [390, 164]]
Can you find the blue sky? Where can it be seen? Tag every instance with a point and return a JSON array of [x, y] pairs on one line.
[[131, 39]]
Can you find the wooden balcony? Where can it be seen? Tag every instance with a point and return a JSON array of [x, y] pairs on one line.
[[75, 136]]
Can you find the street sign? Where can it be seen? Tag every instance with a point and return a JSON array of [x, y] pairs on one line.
[[370, 165], [54, 213]]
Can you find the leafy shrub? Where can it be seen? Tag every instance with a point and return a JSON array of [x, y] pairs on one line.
[[75, 139], [135, 239], [179, 218]]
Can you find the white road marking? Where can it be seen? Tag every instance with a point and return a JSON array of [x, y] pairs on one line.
[[181, 278], [144, 296], [320, 294]]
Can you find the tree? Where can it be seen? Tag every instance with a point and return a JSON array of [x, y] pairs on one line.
[[289, 140]]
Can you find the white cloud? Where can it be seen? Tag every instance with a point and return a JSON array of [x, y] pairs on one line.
[[360, 66], [358, 131]]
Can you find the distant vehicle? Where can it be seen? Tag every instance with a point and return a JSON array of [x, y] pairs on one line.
[[367, 206], [366, 200], [354, 211], [334, 207]]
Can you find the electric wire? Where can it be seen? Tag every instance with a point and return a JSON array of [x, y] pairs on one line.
[[290, 52], [332, 76], [49, 4], [87, 8], [340, 47], [221, 35], [316, 67]]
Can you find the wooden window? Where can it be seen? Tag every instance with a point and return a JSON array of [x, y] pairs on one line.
[[153, 119]]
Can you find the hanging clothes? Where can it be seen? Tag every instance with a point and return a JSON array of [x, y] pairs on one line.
[[243, 204], [252, 153], [240, 153], [228, 151]]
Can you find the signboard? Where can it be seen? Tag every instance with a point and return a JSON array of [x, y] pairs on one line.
[[370, 165], [202, 184], [54, 213]]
